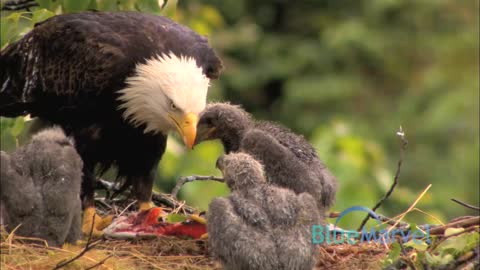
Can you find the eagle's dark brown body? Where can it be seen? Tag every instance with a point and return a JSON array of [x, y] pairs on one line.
[[68, 70]]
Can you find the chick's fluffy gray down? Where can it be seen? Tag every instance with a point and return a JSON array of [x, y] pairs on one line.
[[40, 188], [260, 226], [289, 160]]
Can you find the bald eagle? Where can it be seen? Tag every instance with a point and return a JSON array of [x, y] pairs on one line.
[[117, 83]]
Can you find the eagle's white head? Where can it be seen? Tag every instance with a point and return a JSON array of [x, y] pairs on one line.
[[166, 93]]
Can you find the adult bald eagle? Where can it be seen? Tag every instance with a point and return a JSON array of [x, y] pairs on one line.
[[115, 82]]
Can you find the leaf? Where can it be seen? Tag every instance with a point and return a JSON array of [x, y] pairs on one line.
[[436, 260], [174, 218], [417, 245], [107, 5], [41, 15], [451, 231], [17, 127], [393, 255], [75, 5], [44, 3], [459, 244], [51, 4], [12, 27], [151, 6]]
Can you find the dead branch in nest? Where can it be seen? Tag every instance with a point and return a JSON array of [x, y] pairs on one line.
[[466, 204], [170, 201], [88, 247], [403, 146], [459, 223], [382, 218], [183, 180], [99, 263], [157, 198], [19, 5]]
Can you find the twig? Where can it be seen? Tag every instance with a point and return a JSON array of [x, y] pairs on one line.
[[87, 247], [126, 208], [403, 147], [107, 185], [405, 256], [19, 5], [466, 204], [467, 230], [157, 198], [169, 200], [388, 220], [463, 223], [183, 180], [165, 2], [100, 262]]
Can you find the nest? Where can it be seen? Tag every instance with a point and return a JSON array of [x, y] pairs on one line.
[[159, 253], [173, 253]]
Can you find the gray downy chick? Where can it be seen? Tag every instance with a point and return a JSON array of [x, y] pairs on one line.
[[289, 159], [40, 188], [260, 226]]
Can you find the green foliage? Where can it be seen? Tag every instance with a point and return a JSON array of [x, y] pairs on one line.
[[459, 244], [16, 24], [441, 253], [346, 74], [17, 127], [393, 255], [173, 218]]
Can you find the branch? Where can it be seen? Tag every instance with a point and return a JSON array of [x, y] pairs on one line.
[[157, 198], [100, 262], [164, 4], [462, 223], [466, 204], [169, 200], [88, 246], [403, 146], [183, 180], [382, 218], [19, 5]]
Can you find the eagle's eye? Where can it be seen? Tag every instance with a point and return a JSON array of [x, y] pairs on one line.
[[173, 107]]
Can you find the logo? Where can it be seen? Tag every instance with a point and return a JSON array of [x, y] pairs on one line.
[[324, 234]]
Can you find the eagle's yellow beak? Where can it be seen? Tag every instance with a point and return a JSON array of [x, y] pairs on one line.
[[187, 127]]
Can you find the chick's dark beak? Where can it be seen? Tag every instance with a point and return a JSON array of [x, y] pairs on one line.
[[204, 133]]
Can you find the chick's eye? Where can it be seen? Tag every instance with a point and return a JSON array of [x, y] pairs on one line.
[[173, 106], [208, 121]]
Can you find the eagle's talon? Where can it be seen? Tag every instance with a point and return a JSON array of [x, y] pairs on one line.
[[91, 217], [142, 206], [197, 218]]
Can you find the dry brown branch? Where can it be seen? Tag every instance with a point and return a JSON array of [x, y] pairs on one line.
[[99, 263], [183, 180], [88, 246], [464, 223], [158, 199], [466, 204], [403, 147], [19, 5]]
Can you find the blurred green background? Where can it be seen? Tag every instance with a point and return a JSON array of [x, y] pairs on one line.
[[346, 74]]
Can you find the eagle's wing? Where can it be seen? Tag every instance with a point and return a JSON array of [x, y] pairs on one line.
[[73, 57]]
